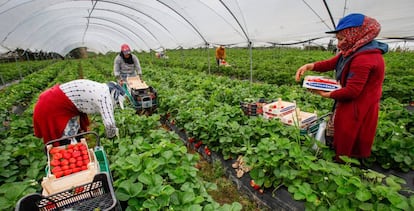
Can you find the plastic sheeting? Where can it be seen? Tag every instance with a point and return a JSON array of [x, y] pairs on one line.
[[61, 25]]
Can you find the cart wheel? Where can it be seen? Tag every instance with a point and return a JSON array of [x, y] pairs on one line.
[[146, 112], [139, 111]]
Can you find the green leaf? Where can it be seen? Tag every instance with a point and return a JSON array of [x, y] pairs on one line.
[[122, 195], [145, 178], [235, 206], [13, 191], [151, 204], [311, 198], [299, 196], [408, 160], [345, 190], [366, 206], [392, 183], [398, 200], [167, 190], [305, 188], [347, 159], [167, 154], [187, 197], [135, 204], [6, 204], [135, 189], [163, 200], [363, 195]]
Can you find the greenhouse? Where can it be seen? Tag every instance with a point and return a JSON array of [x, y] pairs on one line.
[[187, 130]]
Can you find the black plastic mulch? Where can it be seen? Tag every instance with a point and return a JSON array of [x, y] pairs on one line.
[[279, 199]]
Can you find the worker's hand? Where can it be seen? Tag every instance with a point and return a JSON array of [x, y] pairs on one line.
[[301, 71], [111, 132], [321, 93]]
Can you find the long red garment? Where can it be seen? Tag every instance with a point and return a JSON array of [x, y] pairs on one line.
[[357, 103], [52, 112]]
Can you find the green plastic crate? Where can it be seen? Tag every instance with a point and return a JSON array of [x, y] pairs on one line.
[[102, 159]]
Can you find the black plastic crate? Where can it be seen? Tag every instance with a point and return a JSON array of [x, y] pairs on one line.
[[144, 98], [252, 109], [97, 195]]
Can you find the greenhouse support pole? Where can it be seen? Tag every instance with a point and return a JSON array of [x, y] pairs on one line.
[[28, 59], [2, 79], [251, 64], [208, 58], [164, 51], [182, 56], [20, 72], [329, 12]]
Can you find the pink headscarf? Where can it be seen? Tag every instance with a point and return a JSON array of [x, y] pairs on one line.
[[356, 37]]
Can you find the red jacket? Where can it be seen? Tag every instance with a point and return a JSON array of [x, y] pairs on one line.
[[357, 102], [52, 112]]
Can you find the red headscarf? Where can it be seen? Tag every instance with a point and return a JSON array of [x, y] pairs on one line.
[[356, 37]]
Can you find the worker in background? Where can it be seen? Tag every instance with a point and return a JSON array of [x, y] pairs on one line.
[[126, 65], [220, 55], [63, 109]]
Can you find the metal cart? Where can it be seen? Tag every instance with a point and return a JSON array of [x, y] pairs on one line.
[[142, 97]]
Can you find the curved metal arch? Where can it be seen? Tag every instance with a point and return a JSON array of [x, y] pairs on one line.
[[120, 25], [145, 14], [15, 6], [149, 16], [320, 18], [51, 21], [51, 36], [43, 26], [48, 22], [219, 15], [109, 2], [186, 20], [72, 45], [104, 39], [89, 15], [148, 30], [29, 17], [237, 21]]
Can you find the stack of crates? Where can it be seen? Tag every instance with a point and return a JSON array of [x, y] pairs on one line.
[[305, 121], [253, 108], [278, 109], [143, 97], [289, 114]]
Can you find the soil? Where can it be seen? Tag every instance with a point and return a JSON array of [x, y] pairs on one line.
[[226, 192]]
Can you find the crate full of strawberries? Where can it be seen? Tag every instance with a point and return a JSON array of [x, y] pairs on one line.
[[69, 165]]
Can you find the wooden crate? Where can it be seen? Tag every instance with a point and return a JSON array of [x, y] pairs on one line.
[[136, 83]]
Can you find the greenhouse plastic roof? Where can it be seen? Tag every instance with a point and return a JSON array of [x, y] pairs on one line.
[[101, 26]]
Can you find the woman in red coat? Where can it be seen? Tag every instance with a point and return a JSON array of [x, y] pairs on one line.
[[360, 69]]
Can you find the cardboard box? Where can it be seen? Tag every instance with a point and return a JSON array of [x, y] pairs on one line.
[[321, 83], [136, 83], [278, 109], [299, 118]]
